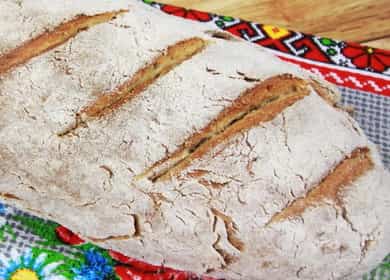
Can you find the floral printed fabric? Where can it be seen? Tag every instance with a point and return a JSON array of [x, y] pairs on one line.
[[320, 49], [339, 62], [29, 266], [44, 250], [36, 249]]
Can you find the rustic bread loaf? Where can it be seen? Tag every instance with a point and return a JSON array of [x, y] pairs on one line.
[[178, 144]]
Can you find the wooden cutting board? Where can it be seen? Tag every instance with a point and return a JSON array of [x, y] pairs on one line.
[[362, 21]]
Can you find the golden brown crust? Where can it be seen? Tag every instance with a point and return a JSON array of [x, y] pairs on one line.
[[173, 56], [87, 183], [52, 39], [196, 173], [227, 257], [6, 196], [230, 230], [211, 184], [331, 186], [324, 92], [259, 104], [119, 237]]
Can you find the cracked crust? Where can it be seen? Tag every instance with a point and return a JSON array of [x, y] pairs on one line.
[[106, 103], [259, 104], [211, 216], [51, 39], [171, 57], [332, 186], [231, 230]]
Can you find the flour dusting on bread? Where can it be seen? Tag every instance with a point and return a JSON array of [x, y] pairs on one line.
[[173, 143]]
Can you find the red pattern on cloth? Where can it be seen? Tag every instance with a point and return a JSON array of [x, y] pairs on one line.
[[334, 61], [365, 57]]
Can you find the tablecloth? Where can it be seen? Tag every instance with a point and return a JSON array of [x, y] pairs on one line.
[[35, 249]]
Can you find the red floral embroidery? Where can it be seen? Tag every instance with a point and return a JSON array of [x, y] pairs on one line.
[[186, 13], [366, 57], [134, 262], [68, 237], [128, 273], [136, 269]]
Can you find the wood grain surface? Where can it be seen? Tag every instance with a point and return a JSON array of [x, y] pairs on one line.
[[363, 21]]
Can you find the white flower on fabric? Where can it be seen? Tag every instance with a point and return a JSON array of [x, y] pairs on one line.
[[26, 267]]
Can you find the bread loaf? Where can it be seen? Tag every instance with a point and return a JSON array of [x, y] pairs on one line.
[[174, 143]]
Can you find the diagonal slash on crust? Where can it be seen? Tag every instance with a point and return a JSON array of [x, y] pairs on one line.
[[51, 39], [173, 56], [331, 186], [259, 104]]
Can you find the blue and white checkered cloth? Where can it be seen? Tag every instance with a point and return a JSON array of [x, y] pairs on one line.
[[372, 112]]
